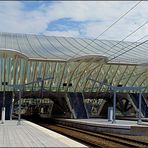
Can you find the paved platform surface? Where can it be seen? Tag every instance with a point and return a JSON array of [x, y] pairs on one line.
[[119, 123], [103, 125], [29, 134]]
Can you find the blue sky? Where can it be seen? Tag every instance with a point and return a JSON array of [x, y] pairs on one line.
[[74, 18], [64, 24]]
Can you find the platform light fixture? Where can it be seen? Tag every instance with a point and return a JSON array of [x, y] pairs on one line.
[[64, 84]]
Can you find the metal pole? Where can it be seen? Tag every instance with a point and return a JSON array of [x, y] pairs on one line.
[[139, 120], [114, 108], [42, 86], [3, 108], [12, 106], [19, 112]]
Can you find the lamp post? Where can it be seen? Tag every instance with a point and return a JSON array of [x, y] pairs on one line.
[[12, 105], [20, 88], [128, 88], [19, 114], [39, 79]]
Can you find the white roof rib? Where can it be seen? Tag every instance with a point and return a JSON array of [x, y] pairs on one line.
[[67, 48]]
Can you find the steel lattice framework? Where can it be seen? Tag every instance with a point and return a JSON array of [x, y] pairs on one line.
[[24, 58]]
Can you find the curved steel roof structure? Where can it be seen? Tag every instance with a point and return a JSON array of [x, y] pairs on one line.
[[24, 58]]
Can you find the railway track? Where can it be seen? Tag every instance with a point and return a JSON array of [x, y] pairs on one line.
[[96, 139]]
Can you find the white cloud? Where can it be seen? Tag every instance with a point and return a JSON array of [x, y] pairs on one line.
[[63, 33], [100, 15], [88, 10], [15, 19], [119, 32], [95, 15]]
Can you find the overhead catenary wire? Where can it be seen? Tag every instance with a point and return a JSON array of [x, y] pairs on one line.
[[111, 26], [123, 49], [141, 43], [134, 53], [75, 53], [128, 36], [121, 43], [128, 45], [128, 50]]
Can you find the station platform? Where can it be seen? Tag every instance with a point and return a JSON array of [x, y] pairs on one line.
[[103, 125], [29, 134]]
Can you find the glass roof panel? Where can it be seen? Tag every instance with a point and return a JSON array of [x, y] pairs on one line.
[[65, 48]]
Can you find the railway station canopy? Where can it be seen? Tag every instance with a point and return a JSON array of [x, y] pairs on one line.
[[70, 62]]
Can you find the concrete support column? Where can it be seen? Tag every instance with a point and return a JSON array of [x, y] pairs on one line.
[[114, 108], [139, 116]]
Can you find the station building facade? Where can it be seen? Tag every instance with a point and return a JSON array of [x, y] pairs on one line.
[[70, 62]]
